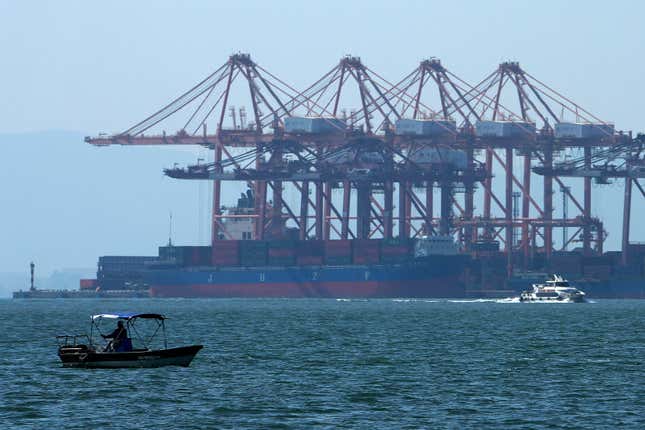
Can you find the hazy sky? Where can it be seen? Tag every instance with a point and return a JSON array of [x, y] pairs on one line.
[[90, 67]]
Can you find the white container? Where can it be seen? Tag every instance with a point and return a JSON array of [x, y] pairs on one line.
[[429, 155], [418, 127], [518, 129], [504, 129], [489, 128], [574, 130], [435, 245], [313, 125]]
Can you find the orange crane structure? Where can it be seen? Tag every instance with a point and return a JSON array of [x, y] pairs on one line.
[[388, 154]]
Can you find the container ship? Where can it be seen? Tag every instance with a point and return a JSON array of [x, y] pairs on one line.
[[429, 267], [401, 144], [421, 268], [240, 266]]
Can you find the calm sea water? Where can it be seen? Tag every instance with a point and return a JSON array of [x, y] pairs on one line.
[[338, 364]]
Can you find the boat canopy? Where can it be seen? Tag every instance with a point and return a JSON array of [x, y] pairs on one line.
[[129, 316]]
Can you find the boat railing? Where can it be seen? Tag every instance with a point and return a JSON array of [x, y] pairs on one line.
[[71, 340]]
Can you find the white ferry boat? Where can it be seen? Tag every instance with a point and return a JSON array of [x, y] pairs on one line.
[[553, 290]]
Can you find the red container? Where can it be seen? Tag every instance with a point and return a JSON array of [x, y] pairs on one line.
[[394, 250], [338, 244], [366, 243], [88, 284], [226, 262], [366, 251], [366, 259], [338, 252], [310, 247], [597, 271], [309, 260], [226, 253], [226, 244], [338, 248], [282, 252]]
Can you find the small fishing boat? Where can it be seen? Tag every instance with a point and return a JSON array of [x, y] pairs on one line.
[[123, 350]]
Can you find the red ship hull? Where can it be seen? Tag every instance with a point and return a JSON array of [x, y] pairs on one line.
[[418, 289]]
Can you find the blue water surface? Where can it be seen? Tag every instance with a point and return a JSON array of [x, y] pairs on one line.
[[355, 364]]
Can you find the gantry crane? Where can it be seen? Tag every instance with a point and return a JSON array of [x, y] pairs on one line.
[[268, 156]]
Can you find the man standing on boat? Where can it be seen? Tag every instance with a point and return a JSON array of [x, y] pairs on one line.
[[117, 336]]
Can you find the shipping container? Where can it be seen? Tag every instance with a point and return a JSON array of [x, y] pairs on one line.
[[124, 263], [485, 246], [252, 244], [186, 255], [597, 260], [282, 260], [177, 254], [365, 259], [282, 252], [505, 129], [226, 244], [253, 261], [338, 248], [636, 249], [583, 130], [310, 247], [281, 244], [335, 260], [200, 256], [88, 284], [338, 243], [366, 251], [314, 125], [564, 260], [253, 249], [226, 253], [597, 271], [422, 127], [366, 243], [226, 262], [385, 258], [309, 260], [395, 241], [435, 155], [395, 250], [628, 271]]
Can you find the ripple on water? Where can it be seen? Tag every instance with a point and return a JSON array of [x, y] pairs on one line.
[[402, 363]]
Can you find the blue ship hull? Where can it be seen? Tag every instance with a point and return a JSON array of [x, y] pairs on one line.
[[439, 276]]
